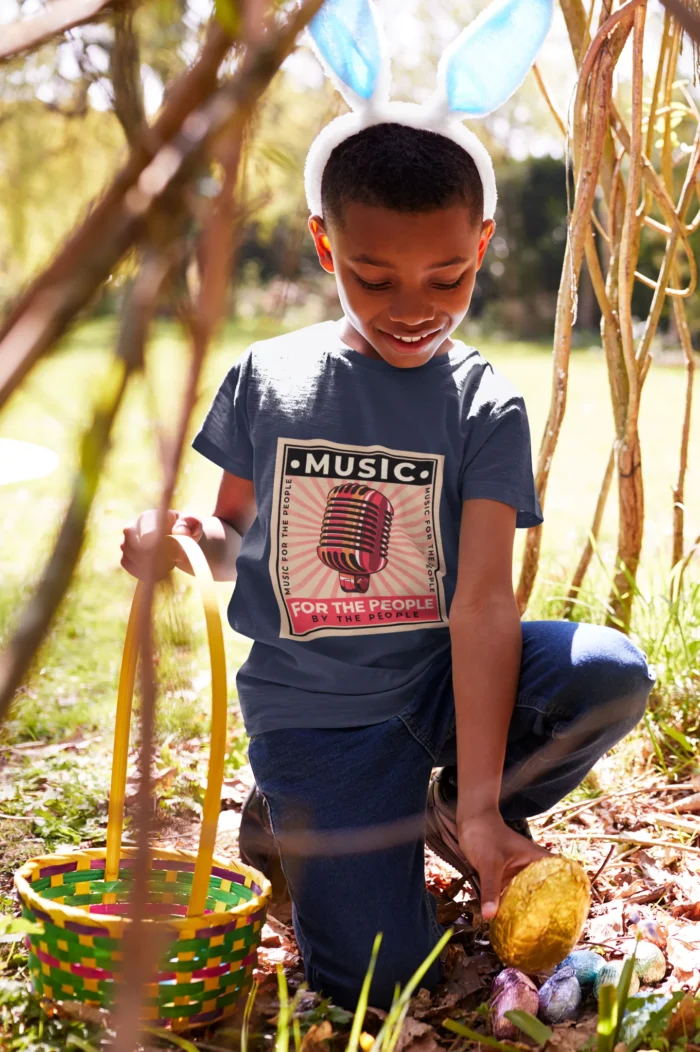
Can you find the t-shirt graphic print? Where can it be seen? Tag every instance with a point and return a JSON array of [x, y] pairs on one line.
[[356, 539]]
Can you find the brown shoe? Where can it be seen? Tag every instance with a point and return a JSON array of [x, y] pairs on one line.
[[257, 848], [441, 825]]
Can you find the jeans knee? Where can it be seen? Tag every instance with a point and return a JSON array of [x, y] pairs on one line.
[[393, 970], [342, 982], [614, 672]]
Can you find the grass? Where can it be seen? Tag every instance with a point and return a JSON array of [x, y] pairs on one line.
[[70, 693]]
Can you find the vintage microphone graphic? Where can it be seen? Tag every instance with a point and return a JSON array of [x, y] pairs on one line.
[[355, 534]]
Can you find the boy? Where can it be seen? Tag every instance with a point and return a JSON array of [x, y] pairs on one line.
[[374, 473]]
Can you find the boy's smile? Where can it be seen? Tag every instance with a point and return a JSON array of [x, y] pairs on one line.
[[405, 280]]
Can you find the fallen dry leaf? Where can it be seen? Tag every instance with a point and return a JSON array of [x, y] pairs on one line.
[[650, 868], [681, 958], [607, 925], [269, 938], [270, 958], [466, 977], [689, 910], [416, 1036], [570, 1037], [686, 804], [233, 793], [633, 888], [85, 1013], [316, 1035], [420, 1004], [462, 973], [685, 1021]]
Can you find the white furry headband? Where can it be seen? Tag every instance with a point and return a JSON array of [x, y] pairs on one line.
[[477, 73]]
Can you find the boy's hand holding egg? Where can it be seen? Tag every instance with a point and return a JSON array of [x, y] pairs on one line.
[[496, 852]]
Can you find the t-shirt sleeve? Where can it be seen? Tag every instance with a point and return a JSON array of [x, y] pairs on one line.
[[224, 436], [498, 456]]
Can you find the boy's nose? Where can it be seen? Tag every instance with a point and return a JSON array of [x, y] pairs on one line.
[[411, 309]]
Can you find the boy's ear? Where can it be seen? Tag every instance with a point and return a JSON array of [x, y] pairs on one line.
[[487, 232], [322, 243]]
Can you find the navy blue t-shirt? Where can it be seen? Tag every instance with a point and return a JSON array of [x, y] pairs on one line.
[[345, 578]]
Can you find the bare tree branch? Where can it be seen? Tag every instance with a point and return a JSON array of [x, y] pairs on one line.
[[52, 302], [688, 19], [629, 452], [39, 612], [217, 248], [594, 532], [49, 305], [683, 328], [126, 77], [590, 129], [27, 34]]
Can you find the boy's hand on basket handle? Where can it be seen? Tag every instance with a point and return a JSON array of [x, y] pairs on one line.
[[140, 538]]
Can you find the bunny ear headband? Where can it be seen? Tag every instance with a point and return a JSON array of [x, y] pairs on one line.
[[477, 73]]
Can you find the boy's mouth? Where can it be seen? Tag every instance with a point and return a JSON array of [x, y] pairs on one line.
[[410, 343]]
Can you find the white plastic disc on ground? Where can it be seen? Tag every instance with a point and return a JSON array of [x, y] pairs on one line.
[[21, 461]]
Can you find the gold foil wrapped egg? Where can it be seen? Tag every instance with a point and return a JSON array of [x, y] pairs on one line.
[[541, 914]]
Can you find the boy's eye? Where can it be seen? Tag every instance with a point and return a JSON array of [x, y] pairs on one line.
[[452, 285], [380, 286], [372, 286]]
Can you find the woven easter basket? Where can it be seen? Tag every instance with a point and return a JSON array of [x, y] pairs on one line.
[[209, 912]]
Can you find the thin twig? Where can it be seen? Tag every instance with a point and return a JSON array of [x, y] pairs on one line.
[[678, 519], [592, 539], [548, 99], [583, 806], [602, 866], [688, 803], [683, 824], [639, 841], [695, 547]]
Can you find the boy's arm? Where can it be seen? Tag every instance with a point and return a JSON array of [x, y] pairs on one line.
[[486, 649], [219, 535], [222, 532]]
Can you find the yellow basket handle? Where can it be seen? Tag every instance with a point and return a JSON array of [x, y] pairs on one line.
[[215, 774]]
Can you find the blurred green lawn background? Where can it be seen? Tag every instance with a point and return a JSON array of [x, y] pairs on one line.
[[74, 682]]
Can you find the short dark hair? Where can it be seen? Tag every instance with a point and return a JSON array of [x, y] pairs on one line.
[[401, 168]]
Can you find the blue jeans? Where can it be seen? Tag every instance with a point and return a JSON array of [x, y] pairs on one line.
[[361, 792]]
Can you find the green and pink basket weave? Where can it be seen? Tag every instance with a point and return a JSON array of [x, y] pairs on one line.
[[208, 911]]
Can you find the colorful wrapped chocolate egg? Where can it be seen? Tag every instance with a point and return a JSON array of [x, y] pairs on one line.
[[511, 989], [586, 964], [609, 975], [651, 930], [541, 914], [649, 962], [560, 997]]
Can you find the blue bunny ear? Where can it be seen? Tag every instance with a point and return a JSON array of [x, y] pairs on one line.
[[490, 59], [347, 38]]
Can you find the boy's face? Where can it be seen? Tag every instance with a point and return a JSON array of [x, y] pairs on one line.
[[405, 280]]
